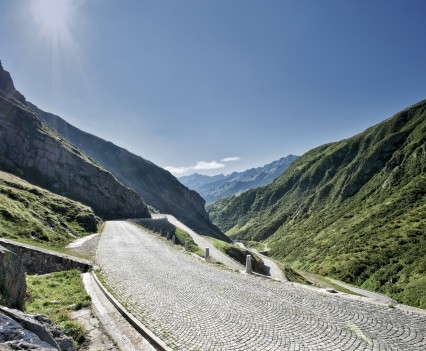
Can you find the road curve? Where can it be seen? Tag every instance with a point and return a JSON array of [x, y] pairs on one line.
[[203, 243], [192, 305], [274, 271]]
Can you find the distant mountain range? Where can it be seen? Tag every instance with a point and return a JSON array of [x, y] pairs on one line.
[[49, 152], [354, 209], [213, 188]]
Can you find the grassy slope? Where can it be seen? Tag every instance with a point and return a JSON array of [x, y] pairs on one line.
[[32, 214], [183, 236], [354, 210], [56, 295]]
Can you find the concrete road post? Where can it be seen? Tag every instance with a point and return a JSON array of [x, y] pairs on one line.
[[249, 269]]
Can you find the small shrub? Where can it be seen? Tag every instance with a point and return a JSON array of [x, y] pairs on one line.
[[72, 329]]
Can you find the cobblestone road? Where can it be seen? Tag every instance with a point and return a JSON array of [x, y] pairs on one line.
[[194, 306]]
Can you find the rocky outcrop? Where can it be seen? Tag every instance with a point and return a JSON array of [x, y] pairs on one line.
[[31, 150], [12, 279], [8, 88], [22, 331]]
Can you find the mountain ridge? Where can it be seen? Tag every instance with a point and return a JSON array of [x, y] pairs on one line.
[[30, 149], [213, 188]]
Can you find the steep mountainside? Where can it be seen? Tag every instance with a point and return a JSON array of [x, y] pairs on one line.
[[33, 151], [35, 214], [220, 186], [354, 210], [157, 186]]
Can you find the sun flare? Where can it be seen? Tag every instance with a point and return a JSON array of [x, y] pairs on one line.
[[53, 16]]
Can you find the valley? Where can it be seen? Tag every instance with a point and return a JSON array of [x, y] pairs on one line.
[[352, 210]]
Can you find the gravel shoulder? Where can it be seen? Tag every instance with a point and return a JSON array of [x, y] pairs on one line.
[[86, 246]]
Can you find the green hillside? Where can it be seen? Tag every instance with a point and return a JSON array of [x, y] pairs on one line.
[[35, 215], [354, 210]]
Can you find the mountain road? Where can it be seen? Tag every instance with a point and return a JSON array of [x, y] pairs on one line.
[[193, 305]]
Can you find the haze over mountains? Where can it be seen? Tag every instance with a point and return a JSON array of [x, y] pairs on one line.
[[216, 187], [46, 150], [353, 209]]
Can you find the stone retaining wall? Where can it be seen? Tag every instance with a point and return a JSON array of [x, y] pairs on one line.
[[158, 225], [39, 261]]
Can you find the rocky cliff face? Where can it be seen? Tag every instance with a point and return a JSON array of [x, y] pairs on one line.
[[8, 88], [31, 150], [12, 279], [157, 187]]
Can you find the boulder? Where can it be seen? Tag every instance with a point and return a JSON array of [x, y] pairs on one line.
[[14, 336], [12, 279], [28, 331]]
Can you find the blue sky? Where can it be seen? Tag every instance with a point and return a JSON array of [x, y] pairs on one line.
[[185, 83]]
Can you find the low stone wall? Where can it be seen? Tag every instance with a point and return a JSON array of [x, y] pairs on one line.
[[39, 261], [158, 225]]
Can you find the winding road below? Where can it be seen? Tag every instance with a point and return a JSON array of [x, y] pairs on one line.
[[203, 243], [274, 271], [192, 305]]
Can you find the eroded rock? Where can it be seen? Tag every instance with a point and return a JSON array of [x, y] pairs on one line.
[[23, 331]]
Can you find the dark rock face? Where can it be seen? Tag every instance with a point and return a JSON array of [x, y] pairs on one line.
[[31, 150], [157, 186], [27, 332], [12, 279], [104, 194], [7, 86]]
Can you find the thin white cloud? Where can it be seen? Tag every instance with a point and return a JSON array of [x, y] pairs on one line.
[[177, 170], [199, 166], [230, 159], [202, 165]]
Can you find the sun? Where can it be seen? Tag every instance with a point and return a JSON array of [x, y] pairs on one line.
[[53, 16]]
